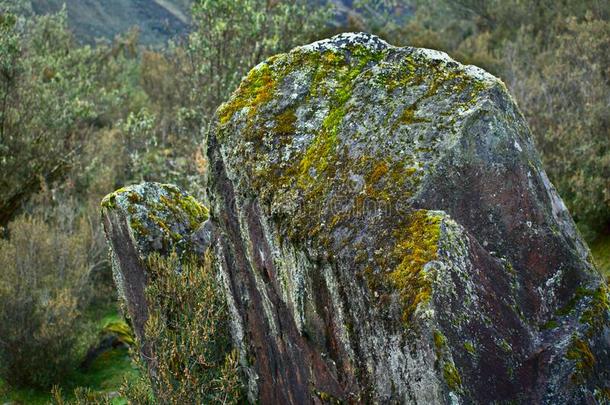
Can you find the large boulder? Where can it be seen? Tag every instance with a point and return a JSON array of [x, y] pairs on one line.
[[387, 234]]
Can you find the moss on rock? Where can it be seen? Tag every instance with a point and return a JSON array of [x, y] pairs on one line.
[[417, 245], [580, 352], [452, 376], [161, 216]]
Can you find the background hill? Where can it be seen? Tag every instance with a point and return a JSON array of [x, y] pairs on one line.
[[159, 20]]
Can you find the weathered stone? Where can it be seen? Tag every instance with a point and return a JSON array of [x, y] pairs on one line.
[[145, 219], [386, 233]]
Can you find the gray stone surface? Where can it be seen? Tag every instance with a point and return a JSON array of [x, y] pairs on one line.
[[387, 234]]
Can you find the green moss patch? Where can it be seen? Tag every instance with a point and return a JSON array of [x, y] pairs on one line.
[[452, 376], [596, 314], [580, 352], [469, 347], [417, 245]]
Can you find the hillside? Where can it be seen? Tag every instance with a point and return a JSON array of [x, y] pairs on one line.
[[158, 20]]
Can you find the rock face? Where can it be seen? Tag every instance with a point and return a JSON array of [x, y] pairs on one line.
[[387, 234], [145, 219]]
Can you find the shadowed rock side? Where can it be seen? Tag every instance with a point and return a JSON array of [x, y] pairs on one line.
[[141, 220], [387, 234]]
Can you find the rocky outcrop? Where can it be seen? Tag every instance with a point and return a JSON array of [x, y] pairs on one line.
[[385, 233], [145, 219], [389, 235]]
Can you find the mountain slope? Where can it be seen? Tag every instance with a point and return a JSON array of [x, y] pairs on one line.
[[158, 20]]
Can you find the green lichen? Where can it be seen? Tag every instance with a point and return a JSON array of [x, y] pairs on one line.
[[180, 204], [580, 352], [138, 226], [439, 340], [505, 346], [257, 88], [552, 324], [602, 395], [322, 152], [326, 398], [109, 201], [469, 347], [571, 304], [452, 376], [596, 314]]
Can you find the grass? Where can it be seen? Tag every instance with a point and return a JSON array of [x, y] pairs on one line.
[[600, 248], [106, 373]]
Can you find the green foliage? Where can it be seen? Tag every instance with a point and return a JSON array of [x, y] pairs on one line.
[[600, 249], [78, 121], [187, 82], [43, 291], [53, 97], [188, 333], [566, 103]]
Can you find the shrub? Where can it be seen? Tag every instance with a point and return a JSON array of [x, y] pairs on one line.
[[189, 335], [43, 290], [564, 90]]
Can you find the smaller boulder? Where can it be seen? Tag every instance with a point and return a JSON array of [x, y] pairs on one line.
[[142, 220]]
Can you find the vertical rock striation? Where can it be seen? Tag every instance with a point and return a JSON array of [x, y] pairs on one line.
[[386, 233]]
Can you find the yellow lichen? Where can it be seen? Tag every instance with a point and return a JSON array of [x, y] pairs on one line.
[[580, 352], [417, 245], [409, 117], [452, 376], [284, 123], [379, 171], [109, 201], [257, 88]]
